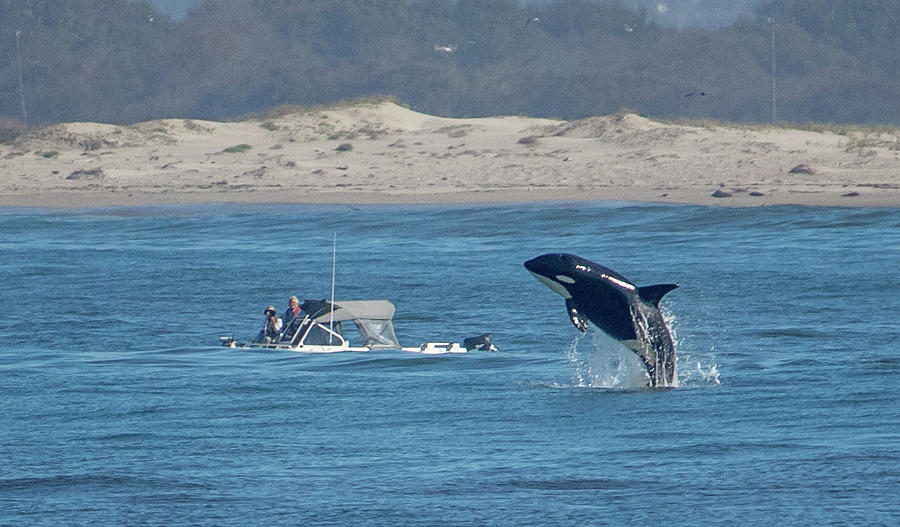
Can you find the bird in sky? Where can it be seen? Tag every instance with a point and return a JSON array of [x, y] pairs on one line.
[[532, 19]]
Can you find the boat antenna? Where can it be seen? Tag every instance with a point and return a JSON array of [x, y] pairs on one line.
[[333, 265]]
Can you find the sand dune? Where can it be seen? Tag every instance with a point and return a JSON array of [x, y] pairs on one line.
[[385, 153]]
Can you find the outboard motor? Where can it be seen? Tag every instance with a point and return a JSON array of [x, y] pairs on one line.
[[479, 343]]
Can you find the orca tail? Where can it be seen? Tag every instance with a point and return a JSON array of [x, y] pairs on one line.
[[652, 294]]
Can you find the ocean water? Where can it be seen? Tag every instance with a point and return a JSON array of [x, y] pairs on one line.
[[119, 407]]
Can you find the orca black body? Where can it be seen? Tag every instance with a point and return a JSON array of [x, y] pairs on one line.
[[624, 311]]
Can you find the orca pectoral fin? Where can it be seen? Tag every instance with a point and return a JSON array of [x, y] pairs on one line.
[[652, 294], [577, 321]]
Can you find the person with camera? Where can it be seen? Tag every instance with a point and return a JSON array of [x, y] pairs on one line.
[[271, 328]]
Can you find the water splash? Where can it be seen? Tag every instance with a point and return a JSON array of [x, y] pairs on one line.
[[605, 363], [706, 371], [599, 361], [710, 375], [699, 375]]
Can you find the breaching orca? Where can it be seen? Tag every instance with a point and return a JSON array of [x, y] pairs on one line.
[[624, 311]]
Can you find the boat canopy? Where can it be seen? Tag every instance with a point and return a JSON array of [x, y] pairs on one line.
[[372, 319]]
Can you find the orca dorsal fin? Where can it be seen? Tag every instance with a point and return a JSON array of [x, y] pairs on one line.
[[652, 294]]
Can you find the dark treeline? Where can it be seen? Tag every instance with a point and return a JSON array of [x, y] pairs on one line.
[[119, 61]]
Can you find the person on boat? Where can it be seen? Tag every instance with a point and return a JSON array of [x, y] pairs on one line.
[[291, 319], [292, 311], [271, 326]]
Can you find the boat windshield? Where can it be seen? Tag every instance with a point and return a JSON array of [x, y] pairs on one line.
[[319, 335]]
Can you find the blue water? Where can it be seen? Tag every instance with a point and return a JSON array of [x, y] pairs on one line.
[[118, 407]]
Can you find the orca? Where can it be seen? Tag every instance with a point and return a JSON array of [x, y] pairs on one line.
[[624, 311]]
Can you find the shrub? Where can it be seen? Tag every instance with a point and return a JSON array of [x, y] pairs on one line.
[[238, 149]]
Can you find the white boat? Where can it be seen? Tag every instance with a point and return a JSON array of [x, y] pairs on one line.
[[319, 328]]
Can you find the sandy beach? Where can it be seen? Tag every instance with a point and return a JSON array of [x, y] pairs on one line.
[[384, 153]]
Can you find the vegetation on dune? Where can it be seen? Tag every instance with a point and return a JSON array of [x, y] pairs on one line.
[[238, 149]]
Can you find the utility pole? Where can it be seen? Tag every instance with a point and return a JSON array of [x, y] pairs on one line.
[[771, 22], [21, 82]]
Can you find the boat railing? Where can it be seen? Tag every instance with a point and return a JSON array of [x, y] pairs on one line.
[[299, 332], [292, 330], [318, 334]]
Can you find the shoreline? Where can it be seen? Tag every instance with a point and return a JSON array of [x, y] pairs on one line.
[[93, 200], [99, 198], [382, 153]]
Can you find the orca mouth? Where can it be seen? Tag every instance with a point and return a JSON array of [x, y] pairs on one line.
[[544, 265], [531, 265], [555, 286], [545, 268]]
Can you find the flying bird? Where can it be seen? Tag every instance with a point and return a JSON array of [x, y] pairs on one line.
[[700, 93], [532, 19], [440, 48]]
